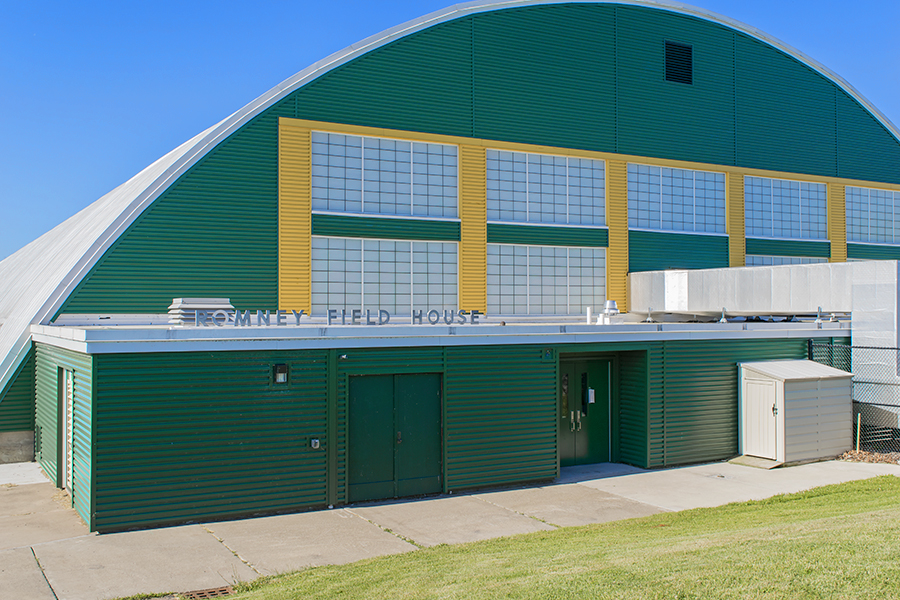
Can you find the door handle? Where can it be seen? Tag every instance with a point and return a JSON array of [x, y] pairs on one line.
[[579, 420], [399, 439], [774, 410], [572, 421]]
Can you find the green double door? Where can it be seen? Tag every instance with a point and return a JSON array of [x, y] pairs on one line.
[[394, 437], [584, 415]]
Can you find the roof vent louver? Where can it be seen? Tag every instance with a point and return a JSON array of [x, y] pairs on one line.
[[679, 63], [183, 310]]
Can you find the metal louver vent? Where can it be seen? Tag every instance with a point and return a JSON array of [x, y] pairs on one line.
[[679, 63]]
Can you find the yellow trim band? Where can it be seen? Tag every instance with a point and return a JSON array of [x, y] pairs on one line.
[[837, 222], [734, 219], [473, 228], [294, 217], [617, 221]]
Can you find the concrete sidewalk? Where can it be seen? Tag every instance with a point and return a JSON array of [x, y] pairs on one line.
[[46, 552]]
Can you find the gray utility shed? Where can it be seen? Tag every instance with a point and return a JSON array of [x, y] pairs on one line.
[[794, 410]]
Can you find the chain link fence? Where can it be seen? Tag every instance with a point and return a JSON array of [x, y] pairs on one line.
[[876, 392]]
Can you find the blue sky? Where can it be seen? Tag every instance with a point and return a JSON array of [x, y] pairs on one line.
[[92, 92]]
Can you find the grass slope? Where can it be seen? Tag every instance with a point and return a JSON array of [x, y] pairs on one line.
[[840, 541]]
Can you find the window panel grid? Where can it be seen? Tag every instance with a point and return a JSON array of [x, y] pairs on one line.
[[759, 260], [785, 209], [668, 199], [873, 215], [543, 188]]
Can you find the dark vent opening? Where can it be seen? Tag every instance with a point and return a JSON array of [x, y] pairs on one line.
[[679, 63]]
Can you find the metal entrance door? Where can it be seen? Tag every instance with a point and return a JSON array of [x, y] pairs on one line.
[[584, 412], [394, 440]]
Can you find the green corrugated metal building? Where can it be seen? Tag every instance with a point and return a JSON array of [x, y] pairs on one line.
[[408, 235]]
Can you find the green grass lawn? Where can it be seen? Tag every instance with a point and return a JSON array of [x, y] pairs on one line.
[[840, 541]]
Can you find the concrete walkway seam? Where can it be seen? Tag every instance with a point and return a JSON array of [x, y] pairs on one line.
[[538, 519], [44, 575], [386, 530], [238, 556]]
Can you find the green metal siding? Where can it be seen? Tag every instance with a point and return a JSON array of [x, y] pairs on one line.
[[390, 229], [17, 400], [48, 360], [702, 126], [634, 397], [873, 252], [788, 248], [785, 112], [183, 436], [698, 417], [865, 149], [654, 251], [503, 233], [546, 74], [500, 424], [568, 75]]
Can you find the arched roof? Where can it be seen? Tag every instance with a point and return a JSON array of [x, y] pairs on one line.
[[38, 279]]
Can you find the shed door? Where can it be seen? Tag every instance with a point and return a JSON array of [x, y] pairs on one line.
[[759, 399], [394, 436]]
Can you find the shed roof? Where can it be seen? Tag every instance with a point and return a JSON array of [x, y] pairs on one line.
[[794, 370]]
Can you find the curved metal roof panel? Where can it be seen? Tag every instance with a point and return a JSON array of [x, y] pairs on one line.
[[36, 280]]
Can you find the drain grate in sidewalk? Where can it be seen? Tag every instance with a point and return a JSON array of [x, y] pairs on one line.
[[210, 593]]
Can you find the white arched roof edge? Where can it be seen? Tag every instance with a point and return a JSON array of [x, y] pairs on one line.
[[134, 204]]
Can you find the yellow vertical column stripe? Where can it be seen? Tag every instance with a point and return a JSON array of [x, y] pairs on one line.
[[294, 217], [837, 221], [617, 221], [473, 228], [734, 219]]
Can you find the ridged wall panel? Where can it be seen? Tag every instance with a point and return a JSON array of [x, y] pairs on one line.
[[785, 112], [734, 215], [617, 266], [697, 415], [531, 235], [567, 98], [866, 150], [634, 402], [771, 247], [384, 228], [473, 229], [837, 221], [17, 400], [294, 217], [873, 252], [48, 361], [657, 250], [500, 415], [189, 436], [701, 128]]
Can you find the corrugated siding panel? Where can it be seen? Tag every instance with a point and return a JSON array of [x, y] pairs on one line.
[[342, 391], [419, 83], [698, 420], [617, 219], [389, 229], [702, 128], [837, 221], [657, 419], [785, 112], [48, 360], [184, 436], [768, 247], [734, 204], [505, 233], [546, 75], [873, 252], [500, 416], [656, 250], [17, 401], [866, 150], [473, 229], [214, 233], [633, 408], [294, 217]]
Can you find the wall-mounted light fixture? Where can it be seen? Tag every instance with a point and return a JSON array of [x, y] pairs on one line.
[[281, 373]]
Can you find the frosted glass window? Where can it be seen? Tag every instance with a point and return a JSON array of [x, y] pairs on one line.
[[785, 209], [665, 199], [383, 176], [394, 275], [542, 188], [544, 280], [873, 215], [758, 260]]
